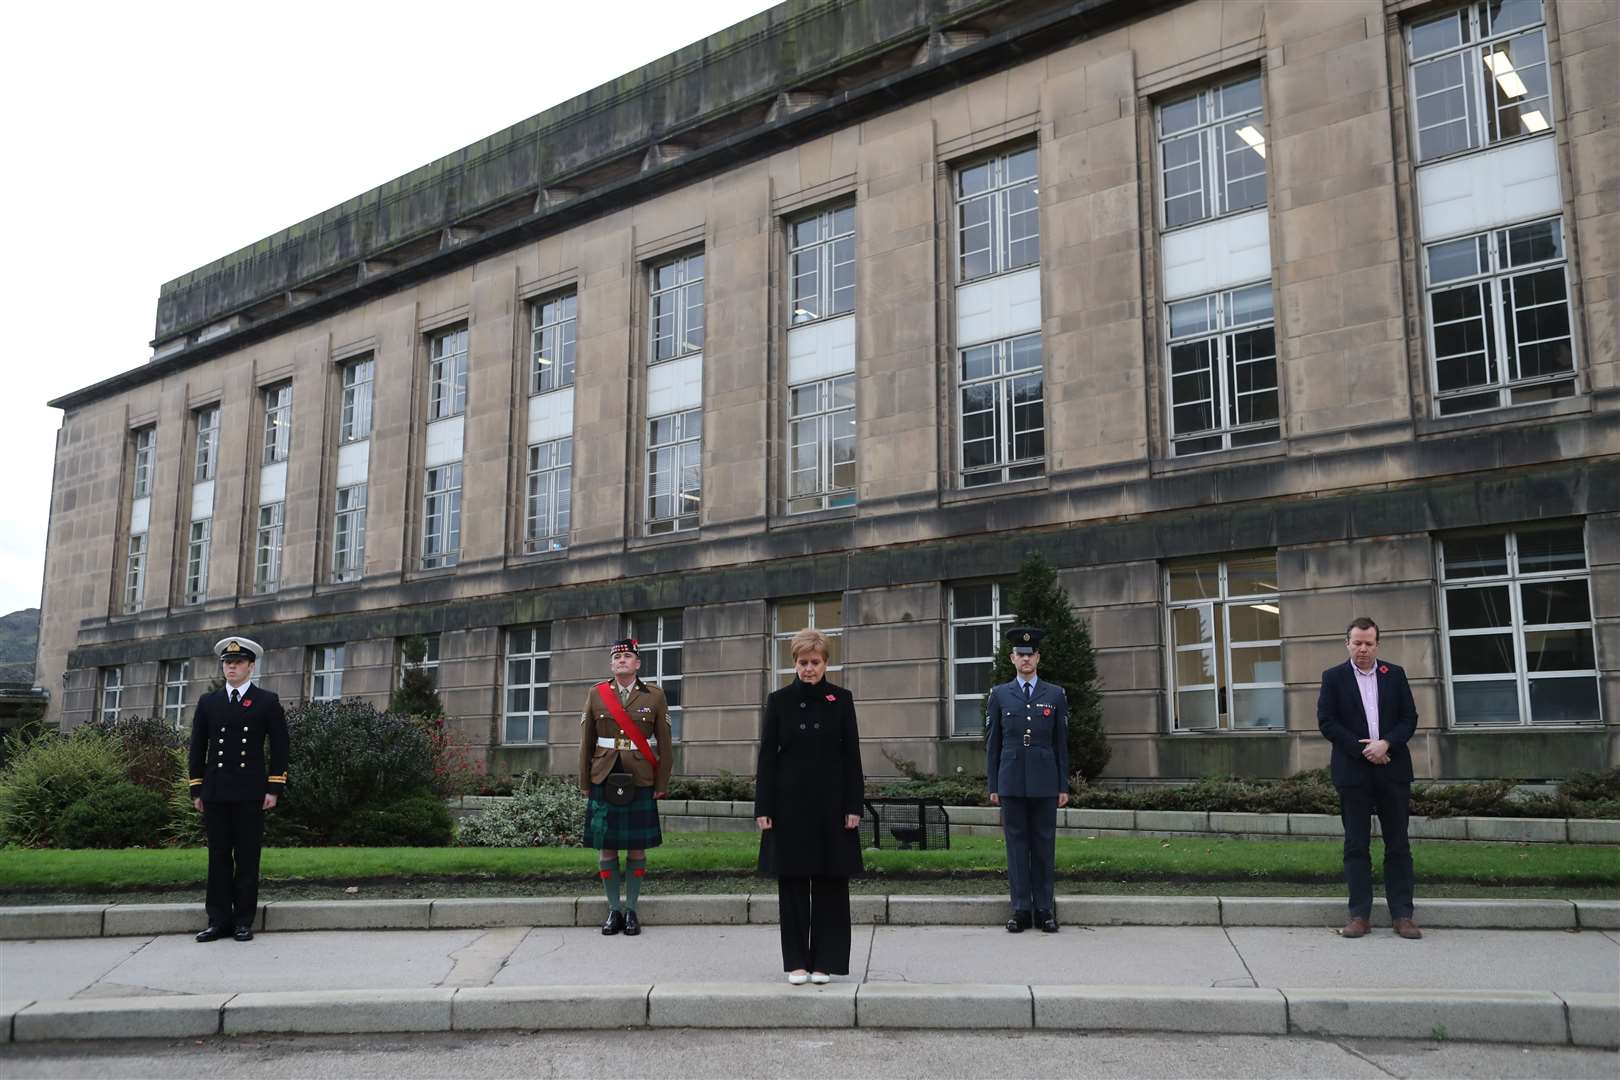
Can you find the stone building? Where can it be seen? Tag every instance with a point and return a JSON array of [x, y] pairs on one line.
[[1251, 316]]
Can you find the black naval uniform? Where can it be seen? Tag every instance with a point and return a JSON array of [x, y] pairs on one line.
[[227, 771], [1027, 765]]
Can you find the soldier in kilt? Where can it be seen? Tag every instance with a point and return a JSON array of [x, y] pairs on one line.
[[622, 775]]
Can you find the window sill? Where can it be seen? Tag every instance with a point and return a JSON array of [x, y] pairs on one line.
[[679, 537], [999, 273], [1550, 133], [523, 558], [1170, 230], [1520, 729], [1236, 455], [1506, 414], [812, 517], [1226, 733], [995, 491]]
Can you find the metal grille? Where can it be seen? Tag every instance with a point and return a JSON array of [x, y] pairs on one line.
[[905, 824]]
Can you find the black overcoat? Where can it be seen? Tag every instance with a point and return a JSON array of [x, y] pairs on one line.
[[809, 777]]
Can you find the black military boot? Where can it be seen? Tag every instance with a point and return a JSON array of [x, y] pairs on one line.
[[1020, 922], [614, 923]]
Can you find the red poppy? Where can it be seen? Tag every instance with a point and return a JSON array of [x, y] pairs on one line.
[[1383, 669], [1046, 712], [246, 702], [832, 697]]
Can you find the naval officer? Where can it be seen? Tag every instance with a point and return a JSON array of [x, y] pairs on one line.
[[230, 787], [1027, 769]]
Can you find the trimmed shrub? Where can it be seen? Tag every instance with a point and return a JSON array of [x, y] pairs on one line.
[[123, 815], [146, 745], [47, 776], [1592, 786], [346, 755], [727, 787], [543, 812], [418, 821], [1481, 798]]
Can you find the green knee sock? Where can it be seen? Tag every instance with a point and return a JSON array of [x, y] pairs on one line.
[[635, 868], [610, 880]]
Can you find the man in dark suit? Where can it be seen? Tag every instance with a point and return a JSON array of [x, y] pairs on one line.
[[1027, 769], [229, 785], [1365, 709]]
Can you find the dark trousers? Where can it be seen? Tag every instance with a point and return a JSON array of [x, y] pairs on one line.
[[1392, 804], [1030, 826], [814, 913], [235, 834]]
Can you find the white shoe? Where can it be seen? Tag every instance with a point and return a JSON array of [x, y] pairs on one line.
[[798, 978], [818, 977]]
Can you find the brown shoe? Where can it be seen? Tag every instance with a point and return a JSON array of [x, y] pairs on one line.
[[1356, 927], [1408, 929]]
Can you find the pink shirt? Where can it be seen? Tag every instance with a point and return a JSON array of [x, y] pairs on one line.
[[1367, 683]]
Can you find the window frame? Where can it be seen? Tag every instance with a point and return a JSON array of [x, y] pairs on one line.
[[1220, 332], [357, 382], [349, 533], [533, 655], [269, 538], [205, 464], [999, 620], [198, 548], [823, 249], [555, 476], [110, 688], [661, 646], [1221, 645], [681, 322], [277, 398], [326, 664], [998, 194], [1480, 115], [430, 658], [143, 454], [1512, 580], [1003, 379], [448, 352], [780, 637], [1498, 351], [825, 417], [681, 443], [562, 331], [172, 691], [1210, 129], [447, 552], [134, 591]]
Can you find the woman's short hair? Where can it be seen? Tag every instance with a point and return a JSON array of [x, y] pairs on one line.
[[810, 640]]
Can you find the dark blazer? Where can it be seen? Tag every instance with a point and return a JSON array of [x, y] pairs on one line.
[[809, 777], [1040, 769], [227, 760], [1343, 722]]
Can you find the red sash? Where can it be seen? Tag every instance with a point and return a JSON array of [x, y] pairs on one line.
[[610, 699]]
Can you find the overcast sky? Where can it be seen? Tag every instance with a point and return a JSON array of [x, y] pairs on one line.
[[143, 140]]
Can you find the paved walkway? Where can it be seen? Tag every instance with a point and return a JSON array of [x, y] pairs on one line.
[[1170, 956]]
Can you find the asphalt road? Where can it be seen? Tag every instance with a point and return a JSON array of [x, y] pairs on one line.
[[890, 1055]]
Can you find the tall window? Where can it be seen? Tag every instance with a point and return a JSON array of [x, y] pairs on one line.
[[135, 574], [1226, 644], [788, 617], [429, 664], [1479, 76], [349, 534], [1003, 418], [112, 693], [207, 463], [145, 441], [325, 672], [1223, 371], [997, 216], [1212, 152], [277, 422], [979, 616], [821, 444], [528, 684], [674, 471], [354, 419], [549, 496], [660, 637], [552, 335], [447, 374], [821, 263], [1518, 624], [176, 676], [677, 307], [441, 517], [197, 560], [267, 549], [1499, 318]]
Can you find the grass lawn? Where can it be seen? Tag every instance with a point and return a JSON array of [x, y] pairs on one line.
[[702, 861]]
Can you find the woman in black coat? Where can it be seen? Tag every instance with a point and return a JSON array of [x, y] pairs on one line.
[[807, 802]]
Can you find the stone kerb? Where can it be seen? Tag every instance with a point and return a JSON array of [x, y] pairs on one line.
[[1226, 1011], [1527, 1016]]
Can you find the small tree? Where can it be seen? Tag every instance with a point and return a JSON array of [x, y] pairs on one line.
[[1067, 659], [416, 696]]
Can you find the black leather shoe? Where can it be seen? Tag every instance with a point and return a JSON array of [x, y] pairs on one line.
[[1046, 921], [211, 933], [243, 933], [1019, 922], [632, 925], [614, 923]]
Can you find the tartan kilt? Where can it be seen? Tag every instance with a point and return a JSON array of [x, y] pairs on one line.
[[631, 828]]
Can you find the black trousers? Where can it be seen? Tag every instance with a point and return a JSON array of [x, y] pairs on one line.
[[814, 913], [235, 835], [1392, 803], [1030, 827]]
